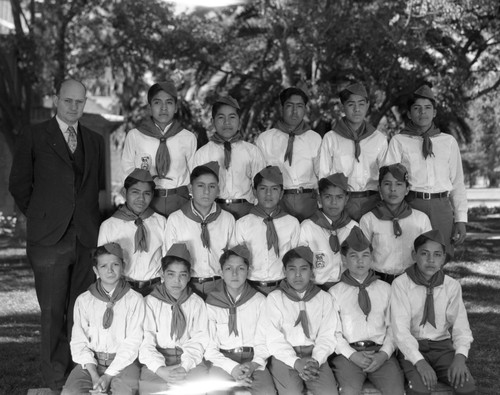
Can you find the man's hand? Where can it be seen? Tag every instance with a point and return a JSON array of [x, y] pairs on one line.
[[242, 375], [378, 359], [427, 374], [102, 384], [362, 359], [172, 374], [458, 373], [459, 233], [308, 368]]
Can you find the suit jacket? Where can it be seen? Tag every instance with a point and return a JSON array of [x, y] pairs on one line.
[[43, 186]]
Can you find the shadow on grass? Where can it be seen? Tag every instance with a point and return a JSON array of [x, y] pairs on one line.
[[478, 250]]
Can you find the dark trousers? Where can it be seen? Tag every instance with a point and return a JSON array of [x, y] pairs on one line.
[[62, 272], [356, 207], [300, 205], [237, 209]]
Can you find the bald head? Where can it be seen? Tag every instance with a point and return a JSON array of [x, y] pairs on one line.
[[70, 101]]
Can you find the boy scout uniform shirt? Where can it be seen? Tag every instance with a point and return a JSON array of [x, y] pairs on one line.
[[391, 254], [439, 173], [123, 337], [355, 325], [327, 264], [249, 333], [157, 333], [265, 264], [282, 334], [236, 181], [139, 265], [204, 261], [337, 156], [139, 152], [304, 169], [407, 308]]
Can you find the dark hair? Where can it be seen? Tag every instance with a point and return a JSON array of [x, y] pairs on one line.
[[100, 251], [218, 105], [290, 256], [345, 247], [227, 254], [345, 94], [289, 92], [199, 171], [168, 260], [130, 181], [383, 171], [421, 240], [324, 184], [258, 179], [153, 91]]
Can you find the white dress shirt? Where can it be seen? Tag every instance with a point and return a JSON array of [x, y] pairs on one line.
[[304, 170], [139, 265], [157, 333], [123, 337], [391, 254], [246, 162], [355, 325], [64, 128], [407, 309], [337, 156], [439, 173], [265, 265]]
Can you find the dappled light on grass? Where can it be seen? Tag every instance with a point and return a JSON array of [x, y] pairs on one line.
[[199, 387]]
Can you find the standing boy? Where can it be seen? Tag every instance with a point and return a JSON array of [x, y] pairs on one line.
[[364, 342], [239, 161], [203, 226], [434, 168], [161, 145], [429, 321], [175, 328], [268, 231], [294, 148], [327, 229], [300, 323], [107, 330], [139, 231], [393, 225], [355, 148], [236, 351]]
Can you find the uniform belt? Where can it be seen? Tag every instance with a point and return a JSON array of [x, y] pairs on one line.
[[298, 190], [142, 284], [231, 201], [201, 280], [265, 283], [364, 344], [303, 351], [104, 358], [174, 191], [428, 195], [359, 194], [237, 350]]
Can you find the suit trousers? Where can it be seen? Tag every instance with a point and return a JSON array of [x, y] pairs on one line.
[[62, 272]]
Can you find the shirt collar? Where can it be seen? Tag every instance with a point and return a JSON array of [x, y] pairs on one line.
[[196, 212], [64, 126]]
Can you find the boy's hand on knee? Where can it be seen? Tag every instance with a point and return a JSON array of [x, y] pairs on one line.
[[427, 374], [378, 359], [172, 374], [360, 359], [102, 384], [241, 376], [458, 372], [304, 371]]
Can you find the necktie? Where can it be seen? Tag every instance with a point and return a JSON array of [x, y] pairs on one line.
[[72, 141]]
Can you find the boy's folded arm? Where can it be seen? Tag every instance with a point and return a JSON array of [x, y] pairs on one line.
[[80, 344]]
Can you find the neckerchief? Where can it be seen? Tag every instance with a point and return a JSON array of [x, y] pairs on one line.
[[271, 234], [219, 297], [178, 324], [418, 278], [141, 233], [363, 297], [311, 291], [412, 130], [149, 128], [187, 209], [384, 213], [319, 219], [97, 290], [365, 130], [301, 128], [227, 146]]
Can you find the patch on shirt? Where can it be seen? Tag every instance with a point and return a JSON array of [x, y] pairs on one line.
[[319, 260], [145, 162]]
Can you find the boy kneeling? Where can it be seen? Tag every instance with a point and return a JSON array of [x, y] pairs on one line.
[[365, 343], [107, 330], [429, 321]]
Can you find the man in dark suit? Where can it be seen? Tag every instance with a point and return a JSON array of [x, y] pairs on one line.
[[57, 172]]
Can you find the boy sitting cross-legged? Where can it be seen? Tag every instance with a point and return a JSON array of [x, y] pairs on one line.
[[107, 330], [300, 323], [429, 321], [175, 328], [236, 350], [364, 342]]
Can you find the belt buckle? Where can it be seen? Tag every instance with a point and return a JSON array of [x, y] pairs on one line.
[[238, 349], [426, 195], [162, 192], [300, 190]]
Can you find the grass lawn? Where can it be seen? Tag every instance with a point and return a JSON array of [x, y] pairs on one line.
[[478, 270]]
